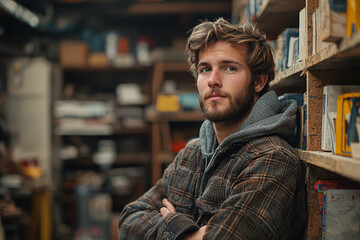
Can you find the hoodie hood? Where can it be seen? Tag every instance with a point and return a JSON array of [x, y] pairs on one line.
[[269, 116]]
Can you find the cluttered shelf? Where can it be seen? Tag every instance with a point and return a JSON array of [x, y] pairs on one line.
[[345, 55], [345, 166]]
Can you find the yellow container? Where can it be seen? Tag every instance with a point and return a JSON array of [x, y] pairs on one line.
[[353, 16], [344, 105]]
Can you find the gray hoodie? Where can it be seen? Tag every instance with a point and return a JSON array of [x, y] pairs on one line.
[[269, 116]]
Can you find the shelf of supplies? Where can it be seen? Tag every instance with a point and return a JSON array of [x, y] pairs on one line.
[[183, 116], [276, 15], [342, 56], [345, 166]]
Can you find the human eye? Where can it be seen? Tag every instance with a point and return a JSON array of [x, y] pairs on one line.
[[230, 68], [204, 69]]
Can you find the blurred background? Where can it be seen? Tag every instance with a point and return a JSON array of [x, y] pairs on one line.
[[96, 99]]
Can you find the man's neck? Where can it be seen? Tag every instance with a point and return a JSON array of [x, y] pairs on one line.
[[224, 129]]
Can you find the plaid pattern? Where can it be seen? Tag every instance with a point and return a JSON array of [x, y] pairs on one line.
[[251, 191]]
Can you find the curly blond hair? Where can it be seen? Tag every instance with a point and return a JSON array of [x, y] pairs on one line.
[[259, 57]]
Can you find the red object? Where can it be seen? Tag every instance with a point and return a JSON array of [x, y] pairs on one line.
[[177, 145]]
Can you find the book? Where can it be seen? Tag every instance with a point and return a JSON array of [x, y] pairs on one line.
[[293, 51], [302, 35], [332, 20], [286, 36], [352, 16], [343, 119], [339, 204], [330, 95]]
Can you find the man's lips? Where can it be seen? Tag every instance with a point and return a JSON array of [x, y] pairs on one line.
[[214, 97]]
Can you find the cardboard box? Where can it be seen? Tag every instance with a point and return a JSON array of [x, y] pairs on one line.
[[73, 53]]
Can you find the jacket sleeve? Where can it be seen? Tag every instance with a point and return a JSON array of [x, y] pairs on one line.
[[142, 220], [260, 200]]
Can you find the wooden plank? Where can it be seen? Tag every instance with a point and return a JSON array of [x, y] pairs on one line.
[[176, 67], [157, 79], [294, 71], [344, 166], [314, 224], [156, 169], [184, 116], [314, 89]]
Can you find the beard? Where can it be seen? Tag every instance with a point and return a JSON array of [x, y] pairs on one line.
[[235, 111]]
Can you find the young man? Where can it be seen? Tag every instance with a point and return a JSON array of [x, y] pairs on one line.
[[240, 179]]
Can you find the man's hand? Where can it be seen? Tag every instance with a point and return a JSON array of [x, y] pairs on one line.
[[169, 208], [198, 235]]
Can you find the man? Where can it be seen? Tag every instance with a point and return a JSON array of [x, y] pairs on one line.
[[240, 179]]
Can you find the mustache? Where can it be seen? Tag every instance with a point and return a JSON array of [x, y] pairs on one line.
[[215, 91]]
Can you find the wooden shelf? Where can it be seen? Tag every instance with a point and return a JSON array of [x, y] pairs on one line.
[[183, 116], [291, 77], [342, 56], [124, 158], [276, 15], [345, 166]]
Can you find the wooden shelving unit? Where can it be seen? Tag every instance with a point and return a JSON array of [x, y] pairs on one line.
[[337, 63], [161, 122]]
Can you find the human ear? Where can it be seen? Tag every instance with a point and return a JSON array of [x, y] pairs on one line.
[[260, 82]]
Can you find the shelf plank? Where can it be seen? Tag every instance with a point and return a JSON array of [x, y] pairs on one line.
[[183, 116], [123, 158], [345, 166], [176, 67], [343, 56], [276, 15], [290, 77]]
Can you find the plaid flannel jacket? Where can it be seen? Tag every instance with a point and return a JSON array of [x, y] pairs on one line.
[[252, 191]]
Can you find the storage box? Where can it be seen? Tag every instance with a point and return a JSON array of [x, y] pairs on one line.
[[73, 53]]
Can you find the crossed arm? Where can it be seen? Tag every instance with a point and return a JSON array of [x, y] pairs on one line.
[[169, 208]]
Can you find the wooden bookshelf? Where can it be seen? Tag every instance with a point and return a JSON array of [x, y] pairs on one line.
[[344, 166]]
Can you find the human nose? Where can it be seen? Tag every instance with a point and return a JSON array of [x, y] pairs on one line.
[[215, 79]]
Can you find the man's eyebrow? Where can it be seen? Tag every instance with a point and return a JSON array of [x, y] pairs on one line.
[[221, 62], [202, 64]]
